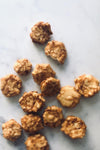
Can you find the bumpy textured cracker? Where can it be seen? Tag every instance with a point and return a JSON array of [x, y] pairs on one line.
[[68, 96], [10, 85], [40, 32], [31, 123], [31, 101], [53, 116], [87, 85], [42, 72], [74, 127], [37, 142], [56, 50], [11, 130], [22, 66], [50, 86]]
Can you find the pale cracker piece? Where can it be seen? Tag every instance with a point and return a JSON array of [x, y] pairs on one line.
[[56, 50], [68, 96]]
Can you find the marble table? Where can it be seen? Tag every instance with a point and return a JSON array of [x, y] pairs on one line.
[[77, 24]]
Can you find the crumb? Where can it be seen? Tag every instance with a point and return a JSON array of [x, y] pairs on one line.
[[41, 32], [10, 85], [31, 123], [11, 130], [37, 142], [22, 66], [50, 86], [41, 72], [68, 96], [87, 85], [53, 116], [56, 50], [74, 127], [31, 101]]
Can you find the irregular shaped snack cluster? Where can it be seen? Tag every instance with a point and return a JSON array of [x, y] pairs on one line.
[[37, 142], [41, 32], [22, 66], [53, 116], [87, 85], [68, 96], [31, 123], [11, 130], [50, 86], [56, 50], [31, 101], [42, 72], [10, 85], [74, 127]]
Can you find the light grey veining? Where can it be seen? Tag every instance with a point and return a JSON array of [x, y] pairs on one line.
[[77, 24]]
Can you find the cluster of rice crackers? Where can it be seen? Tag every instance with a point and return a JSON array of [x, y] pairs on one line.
[[32, 102]]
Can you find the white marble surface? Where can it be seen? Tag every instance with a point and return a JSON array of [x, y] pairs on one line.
[[77, 24]]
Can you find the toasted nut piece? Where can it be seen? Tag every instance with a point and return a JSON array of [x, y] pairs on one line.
[[56, 50], [53, 116], [11, 130], [74, 127], [37, 142], [22, 66], [87, 85], [31, 101], [42, 72], [31, 123], [41, 32], [10, 85], [50, 86], [68, 96]]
